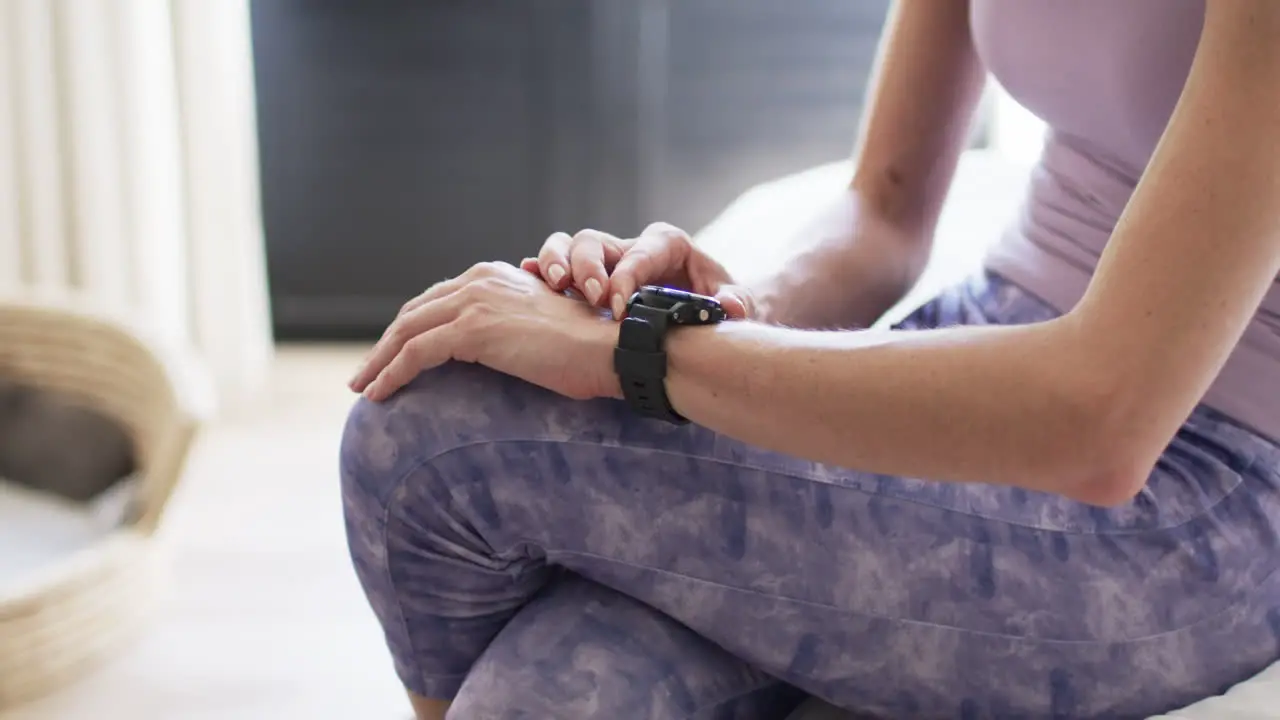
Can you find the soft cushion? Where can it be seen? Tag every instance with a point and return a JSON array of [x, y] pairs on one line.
[[38, 529]]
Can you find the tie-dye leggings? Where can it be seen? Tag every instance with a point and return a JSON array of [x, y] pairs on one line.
[[537, 557]]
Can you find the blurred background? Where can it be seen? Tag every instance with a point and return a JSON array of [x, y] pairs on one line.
[[259, 185]]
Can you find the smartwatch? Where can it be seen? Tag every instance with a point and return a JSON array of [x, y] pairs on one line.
[[640, 360]]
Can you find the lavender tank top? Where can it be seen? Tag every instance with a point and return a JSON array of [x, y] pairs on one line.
[[1105, 76]]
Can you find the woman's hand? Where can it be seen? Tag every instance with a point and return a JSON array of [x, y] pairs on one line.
[[606, 269], [504, 318]]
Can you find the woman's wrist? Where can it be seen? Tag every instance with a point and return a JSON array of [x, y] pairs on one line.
[[600, 341]]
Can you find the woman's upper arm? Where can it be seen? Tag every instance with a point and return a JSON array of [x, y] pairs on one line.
[[923, 92], [1198, 245]]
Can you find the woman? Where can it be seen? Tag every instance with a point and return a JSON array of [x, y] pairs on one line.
[[1063, 504]]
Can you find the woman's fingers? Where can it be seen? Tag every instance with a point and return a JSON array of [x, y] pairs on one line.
[[586, 259], [404, 330], [591, 255], [582, 262], [737, 303], [658, 252], [429, 349], [553, 260], [708, 277], [438, 290]]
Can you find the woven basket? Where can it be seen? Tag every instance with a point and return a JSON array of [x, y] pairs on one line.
[[62, 622]]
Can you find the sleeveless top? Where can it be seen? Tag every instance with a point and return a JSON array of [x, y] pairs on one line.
[[1104, 76]]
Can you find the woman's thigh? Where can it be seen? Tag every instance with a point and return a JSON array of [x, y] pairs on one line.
[[581, 650], [892, 595]]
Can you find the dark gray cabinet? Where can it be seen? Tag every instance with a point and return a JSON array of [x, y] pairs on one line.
[[404, 140]]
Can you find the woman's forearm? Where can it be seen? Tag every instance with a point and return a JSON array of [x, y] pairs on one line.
[[858, 260], [1004, 405], [848, 268]]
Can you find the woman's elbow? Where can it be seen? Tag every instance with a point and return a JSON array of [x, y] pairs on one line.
[[1112, 478], [1114, 444]]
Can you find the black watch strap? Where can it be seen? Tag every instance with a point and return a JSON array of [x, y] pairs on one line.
[[641, 364]]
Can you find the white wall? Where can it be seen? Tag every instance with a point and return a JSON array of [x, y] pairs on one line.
[[1016, 134]]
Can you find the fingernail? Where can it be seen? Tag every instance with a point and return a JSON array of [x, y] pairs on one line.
[[593, 290], [556, 273], [619, 306]]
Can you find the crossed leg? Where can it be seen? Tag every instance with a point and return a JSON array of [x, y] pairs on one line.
[[469, 494]]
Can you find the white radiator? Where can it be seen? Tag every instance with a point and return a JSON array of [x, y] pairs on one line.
[[128, 168]]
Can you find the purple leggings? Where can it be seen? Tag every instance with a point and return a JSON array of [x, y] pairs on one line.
[[536, 557]]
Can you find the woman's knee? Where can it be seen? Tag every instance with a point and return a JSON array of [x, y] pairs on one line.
[[441, 410], [454, 406], [413, 548]]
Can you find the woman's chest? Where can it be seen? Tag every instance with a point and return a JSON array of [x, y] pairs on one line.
[[1106, 71]]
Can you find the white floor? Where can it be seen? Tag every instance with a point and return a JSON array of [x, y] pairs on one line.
[[265, 619]]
